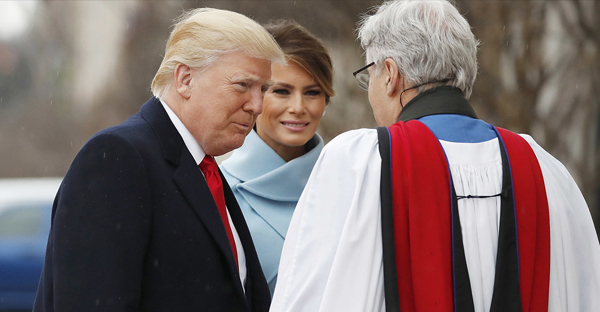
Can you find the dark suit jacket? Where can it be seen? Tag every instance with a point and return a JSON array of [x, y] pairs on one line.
[[135, 228]]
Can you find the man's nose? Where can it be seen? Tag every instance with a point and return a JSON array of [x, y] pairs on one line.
[[254, 105]]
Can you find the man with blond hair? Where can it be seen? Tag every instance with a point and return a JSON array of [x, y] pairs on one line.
[[143, 220]]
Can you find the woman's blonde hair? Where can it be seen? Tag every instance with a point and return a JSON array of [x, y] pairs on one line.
[[201, 35]]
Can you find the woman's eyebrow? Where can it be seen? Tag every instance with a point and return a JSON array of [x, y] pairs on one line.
[[283, 84], [312, 86]]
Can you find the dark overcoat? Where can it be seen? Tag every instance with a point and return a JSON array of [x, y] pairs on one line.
[[135, 228]]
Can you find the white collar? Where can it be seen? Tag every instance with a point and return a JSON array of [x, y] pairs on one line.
[[191, 143]]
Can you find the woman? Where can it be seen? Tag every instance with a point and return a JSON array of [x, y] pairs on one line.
[[268, 173]]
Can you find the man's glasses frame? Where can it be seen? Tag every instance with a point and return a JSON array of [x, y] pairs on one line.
[[363, 78]]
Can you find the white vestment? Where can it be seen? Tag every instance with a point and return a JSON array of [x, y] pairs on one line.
[[332, 256]]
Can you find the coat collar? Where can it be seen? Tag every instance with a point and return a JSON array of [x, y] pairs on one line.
[[263, 175], [188, 139], [269, 185], [440, 100], [171, 142]]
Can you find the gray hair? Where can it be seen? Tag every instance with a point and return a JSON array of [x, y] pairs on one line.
[[429, 40], [200, 36]]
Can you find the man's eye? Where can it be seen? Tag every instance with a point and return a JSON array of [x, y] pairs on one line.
[[281, 91], [242, 86], [264, 89]]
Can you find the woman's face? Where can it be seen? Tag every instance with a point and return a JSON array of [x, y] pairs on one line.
[[292, 110]]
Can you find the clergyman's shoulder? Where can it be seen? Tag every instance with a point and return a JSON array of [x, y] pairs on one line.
[[550, 165], [351, 147], [350, 139]]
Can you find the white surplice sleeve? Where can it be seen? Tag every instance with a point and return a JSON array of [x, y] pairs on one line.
[[574, 247], [332, 255]]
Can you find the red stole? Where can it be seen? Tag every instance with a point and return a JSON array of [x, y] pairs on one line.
[[423, 225]]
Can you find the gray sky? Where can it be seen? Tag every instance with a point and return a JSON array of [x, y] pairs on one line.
[[15, 17]]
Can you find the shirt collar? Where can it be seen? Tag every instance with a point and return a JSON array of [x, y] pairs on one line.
[[191, 143], [439, 100]]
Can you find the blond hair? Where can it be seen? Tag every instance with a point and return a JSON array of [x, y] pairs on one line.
[[201, 35]]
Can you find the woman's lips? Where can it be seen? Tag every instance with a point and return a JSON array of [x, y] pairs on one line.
[[295, 125]]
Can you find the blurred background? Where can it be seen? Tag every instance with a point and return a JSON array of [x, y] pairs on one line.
[[71, 68]]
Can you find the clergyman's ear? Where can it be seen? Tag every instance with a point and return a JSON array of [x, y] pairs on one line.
[[182, 78], [390, 68]]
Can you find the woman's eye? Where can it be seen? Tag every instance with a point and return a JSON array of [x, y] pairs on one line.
[[313, 92], [281, 91]]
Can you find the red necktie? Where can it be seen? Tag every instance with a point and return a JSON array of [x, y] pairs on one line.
[[213, 179]]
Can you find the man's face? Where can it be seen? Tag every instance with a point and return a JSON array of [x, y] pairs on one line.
[[386, 106], [225, 100]]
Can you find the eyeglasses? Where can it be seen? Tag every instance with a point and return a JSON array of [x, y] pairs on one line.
[[363, 78]]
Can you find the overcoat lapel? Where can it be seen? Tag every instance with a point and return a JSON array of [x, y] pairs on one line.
[[192, 184], [252, 262], [188, 177]]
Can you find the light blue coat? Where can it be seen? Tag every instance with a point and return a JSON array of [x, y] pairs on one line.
[[267, 189]]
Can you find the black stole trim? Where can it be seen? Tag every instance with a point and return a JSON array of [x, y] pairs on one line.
[[463, 296], [507, 290], [506, 295], [390, 277]]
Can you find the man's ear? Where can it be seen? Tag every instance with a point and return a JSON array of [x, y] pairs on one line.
[[390, 69], [182, 80]]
